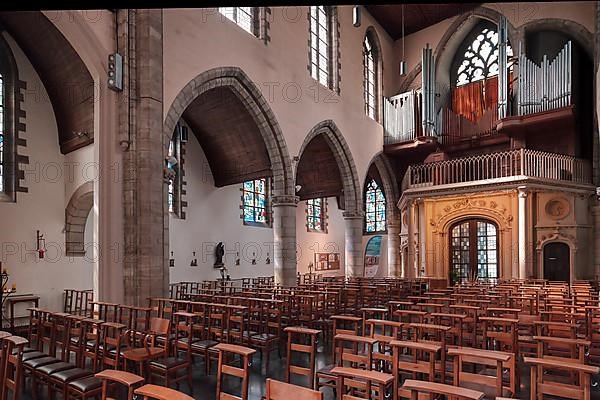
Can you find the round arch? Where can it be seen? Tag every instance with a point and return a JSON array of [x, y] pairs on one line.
[[353, 203], [76, 215], [571, 28], [235, 79]]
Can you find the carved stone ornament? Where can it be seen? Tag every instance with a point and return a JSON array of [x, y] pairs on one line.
[[470, 205], [558, 208]]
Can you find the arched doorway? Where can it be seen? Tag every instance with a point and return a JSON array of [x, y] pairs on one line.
[[473, 250], [557, 262]]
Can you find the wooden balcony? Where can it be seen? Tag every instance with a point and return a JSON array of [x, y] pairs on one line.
[[495, 168]]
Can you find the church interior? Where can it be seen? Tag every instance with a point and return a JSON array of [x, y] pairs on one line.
[[320, 202]]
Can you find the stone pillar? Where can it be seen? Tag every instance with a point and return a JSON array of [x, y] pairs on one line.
[[353, 244], [394, 264], [522, 233], [410, 263], [284, 236], [145, 269]]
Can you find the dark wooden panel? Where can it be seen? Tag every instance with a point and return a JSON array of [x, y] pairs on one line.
[[69, 84], [229, 137], [318, 173], [416, 16]]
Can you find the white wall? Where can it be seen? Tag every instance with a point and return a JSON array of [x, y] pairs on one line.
[[310, 243], [213, 215], [43, 207]]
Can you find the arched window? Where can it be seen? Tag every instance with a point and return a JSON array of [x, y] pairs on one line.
[[243, 16], [480, 58], [473, 250], [174, 163], [323, 51], [255, 202], [371, 75], [475, 72], [375, 208], [2, 119], [316, 215]]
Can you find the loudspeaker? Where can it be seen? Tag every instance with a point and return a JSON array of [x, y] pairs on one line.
[[115, 72]]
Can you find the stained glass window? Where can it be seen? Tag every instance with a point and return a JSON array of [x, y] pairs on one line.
[[242, 16], [2, 156], [375, 208], [315, 214], [171, 191], [255, 199], [474, 250], [370, 78], [320, 44], [480, 60], [174, 163]]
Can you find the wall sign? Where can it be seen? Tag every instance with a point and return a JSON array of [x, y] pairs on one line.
[[372, 256]]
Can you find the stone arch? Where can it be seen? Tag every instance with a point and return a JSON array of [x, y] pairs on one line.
[[452, 40], [353, 203], [235, 79], [76, 215], [574, 29]]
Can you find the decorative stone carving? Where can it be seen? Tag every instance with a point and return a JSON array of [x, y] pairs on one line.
[[557, 208], [492, 209], [555, 235]]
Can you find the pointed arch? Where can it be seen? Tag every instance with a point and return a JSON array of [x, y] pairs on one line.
[[328, 130], [246, 92], [389, 183]]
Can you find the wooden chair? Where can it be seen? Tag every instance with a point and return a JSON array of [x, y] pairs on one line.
[[362, 381], [160, 393], [412, 358], [214, 334], [296, 342], [544, 383], [277, 390], [112, 344], [12, 353], [434, 334], [126, 379], [451, 392], [492, 385], [385, 332], [245, 355], [167, 368], [345, 324], [268, 339]]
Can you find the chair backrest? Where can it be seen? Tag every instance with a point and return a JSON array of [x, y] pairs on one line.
[[160, 393], [12, 350], [416, 387], [277, 390], [121, 377]]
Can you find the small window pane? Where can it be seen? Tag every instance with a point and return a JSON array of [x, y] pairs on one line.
[[375, 215], [254, 197]]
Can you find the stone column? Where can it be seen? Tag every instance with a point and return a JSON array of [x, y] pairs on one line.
[[522, 233], [145, 269], [394, 264], [353, 244], [284, 236], [410, 263]]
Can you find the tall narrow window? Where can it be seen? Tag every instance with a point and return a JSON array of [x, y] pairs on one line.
[[375, 208], [370, 65], [255, 201], [172, 164], [242, 16], [473, 251], [321, 45], [2, 119], [316, 215]]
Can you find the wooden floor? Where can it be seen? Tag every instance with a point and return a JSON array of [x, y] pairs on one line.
[[205, 387]]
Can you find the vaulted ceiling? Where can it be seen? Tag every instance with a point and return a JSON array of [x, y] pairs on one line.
[[416, 16], [318, 174], [69, 84], [229, 136]]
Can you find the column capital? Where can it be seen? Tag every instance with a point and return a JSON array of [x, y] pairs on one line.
[[522, 191], [284, 200], [353, 214]]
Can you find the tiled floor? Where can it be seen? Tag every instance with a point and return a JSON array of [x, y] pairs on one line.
[[205, 386]]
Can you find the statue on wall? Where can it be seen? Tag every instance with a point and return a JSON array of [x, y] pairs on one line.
[[219, 253]]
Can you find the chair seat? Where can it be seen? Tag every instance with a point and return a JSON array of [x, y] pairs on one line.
[[204, 344], [263, 337], [69, 375], [33, 354], [40, 362], [86, 384], [50, 369], [168, 363], [28, 349]]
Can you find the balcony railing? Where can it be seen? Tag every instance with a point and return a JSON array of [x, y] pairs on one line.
[[489, 167]]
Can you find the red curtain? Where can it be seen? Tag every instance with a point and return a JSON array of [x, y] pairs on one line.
[[473, 99]]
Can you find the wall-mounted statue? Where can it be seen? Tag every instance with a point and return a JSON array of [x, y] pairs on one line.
[[219, 253]]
